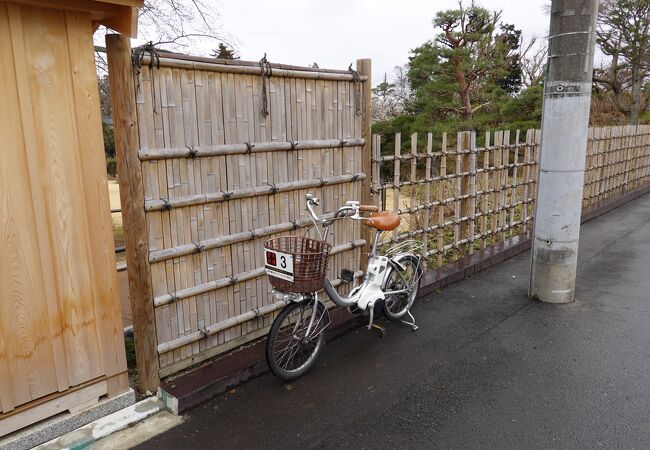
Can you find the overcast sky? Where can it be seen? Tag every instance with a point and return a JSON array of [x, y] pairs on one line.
[[335, 33]]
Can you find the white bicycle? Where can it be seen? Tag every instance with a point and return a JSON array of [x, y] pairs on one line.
[[297, 269]]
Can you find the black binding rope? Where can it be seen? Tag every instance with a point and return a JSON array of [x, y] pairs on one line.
[[137, 56], [265, 67], [197, 248], [274, 188], [249, 147], [293, 145], [166, 205], [357, 90], [191, 152], [226, 195], [204, 332]]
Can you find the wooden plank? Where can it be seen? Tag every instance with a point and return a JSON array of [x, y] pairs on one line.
[[91, 158], [60, 176], [132, 200], [52, 407], [27, 279]]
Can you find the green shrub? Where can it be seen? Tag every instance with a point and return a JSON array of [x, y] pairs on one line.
[[111, 167], [109, 140]]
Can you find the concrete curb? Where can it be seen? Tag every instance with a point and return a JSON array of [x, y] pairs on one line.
[[94, 431], [195, 386], [64, 423]]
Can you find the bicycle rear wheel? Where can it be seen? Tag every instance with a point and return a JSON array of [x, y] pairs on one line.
[[397, 305], [290, 351]]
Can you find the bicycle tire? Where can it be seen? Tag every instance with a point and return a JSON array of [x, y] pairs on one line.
[[396, 306], [288, 358]]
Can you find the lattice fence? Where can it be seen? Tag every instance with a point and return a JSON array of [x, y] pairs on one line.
[[458, 197]]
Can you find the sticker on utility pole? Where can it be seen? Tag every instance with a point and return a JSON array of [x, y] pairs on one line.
[[279, 265]]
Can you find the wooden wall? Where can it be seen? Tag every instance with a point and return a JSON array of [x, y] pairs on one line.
[[220, 178], [60, 323]]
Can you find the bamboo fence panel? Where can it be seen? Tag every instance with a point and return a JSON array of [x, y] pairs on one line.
[[220, 177], [488, 196]]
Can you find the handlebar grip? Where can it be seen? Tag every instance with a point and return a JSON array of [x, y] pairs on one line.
[[370, 208]]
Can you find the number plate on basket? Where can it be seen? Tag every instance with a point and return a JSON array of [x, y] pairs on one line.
[[279, 265]]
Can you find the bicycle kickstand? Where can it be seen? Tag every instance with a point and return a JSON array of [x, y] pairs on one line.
[[372, 326], [411, 324]]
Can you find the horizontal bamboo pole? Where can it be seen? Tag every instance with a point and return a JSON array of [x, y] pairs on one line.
[[239, 278], [151, 154], [210, 66], [208, 244], [215, 197], [187, 339]]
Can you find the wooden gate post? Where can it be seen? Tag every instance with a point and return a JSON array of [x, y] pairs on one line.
[[364, 67], [129, 169]]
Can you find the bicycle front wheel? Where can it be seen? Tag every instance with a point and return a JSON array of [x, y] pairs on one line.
[[397, 305], [291, 347]]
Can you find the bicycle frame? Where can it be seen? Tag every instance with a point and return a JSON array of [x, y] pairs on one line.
[[371, 290]]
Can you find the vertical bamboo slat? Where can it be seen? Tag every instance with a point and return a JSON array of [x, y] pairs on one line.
[[427, 193], [472, 187], [397, 162], [441, 197], [364, 67]]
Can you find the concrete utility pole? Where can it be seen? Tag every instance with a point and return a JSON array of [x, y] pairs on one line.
[[565, 121]]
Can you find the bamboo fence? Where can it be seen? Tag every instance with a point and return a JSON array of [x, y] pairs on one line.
[[220, 177], [462, 197]]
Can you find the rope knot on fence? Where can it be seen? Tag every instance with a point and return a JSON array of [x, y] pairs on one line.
[[267, 71], [357, 90], [166, 205]]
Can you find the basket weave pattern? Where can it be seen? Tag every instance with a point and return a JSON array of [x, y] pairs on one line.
[[309, 263]]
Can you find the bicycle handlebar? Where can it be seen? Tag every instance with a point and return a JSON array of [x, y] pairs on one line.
[[350, 206]]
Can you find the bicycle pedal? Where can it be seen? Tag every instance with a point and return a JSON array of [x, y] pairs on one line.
[[378, 329], [347, 275]]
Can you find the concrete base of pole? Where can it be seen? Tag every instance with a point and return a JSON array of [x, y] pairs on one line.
[[553, 277]]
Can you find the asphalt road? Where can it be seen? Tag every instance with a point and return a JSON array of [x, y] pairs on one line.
[[487, 369]]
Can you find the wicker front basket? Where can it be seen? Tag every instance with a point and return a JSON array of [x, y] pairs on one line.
[[309, 263]]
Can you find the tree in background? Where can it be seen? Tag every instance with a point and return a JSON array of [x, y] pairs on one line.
[[389, 100], [470, 64], [532, 61], [469, 76], [223, 52], [623, 33]]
